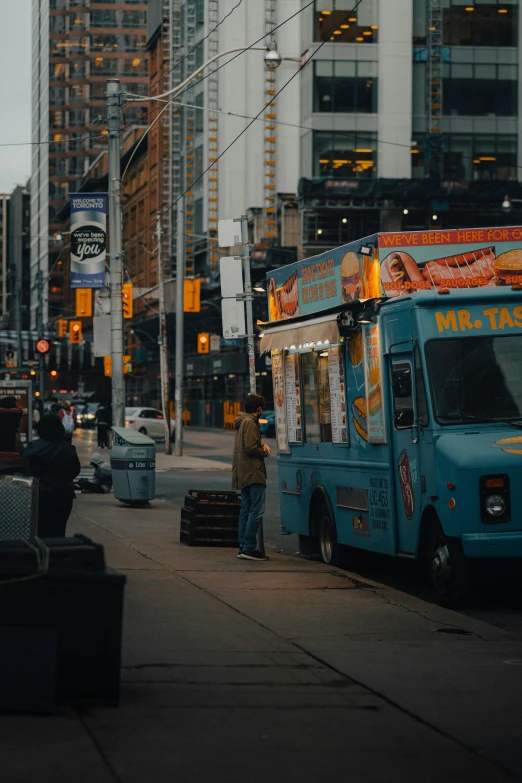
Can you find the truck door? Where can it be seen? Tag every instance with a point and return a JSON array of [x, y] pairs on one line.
[[406, 452]]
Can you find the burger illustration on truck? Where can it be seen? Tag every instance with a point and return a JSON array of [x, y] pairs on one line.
[[351, 278]]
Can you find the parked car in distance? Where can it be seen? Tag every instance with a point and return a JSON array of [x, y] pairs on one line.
[[148, 421], [267, 424], [86, 414]]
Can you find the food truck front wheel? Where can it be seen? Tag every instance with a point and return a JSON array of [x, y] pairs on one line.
[[450, 570]]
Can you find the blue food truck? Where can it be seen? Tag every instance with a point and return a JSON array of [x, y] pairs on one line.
[[397, 372]]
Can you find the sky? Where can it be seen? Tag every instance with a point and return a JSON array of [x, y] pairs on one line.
[[15, 92]]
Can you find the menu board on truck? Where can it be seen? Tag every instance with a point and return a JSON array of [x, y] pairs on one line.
[[337, 395], [293, 399], [373, 382], [21, 391], [278, 380]]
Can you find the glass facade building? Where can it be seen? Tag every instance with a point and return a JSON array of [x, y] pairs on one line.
[[364, 104]]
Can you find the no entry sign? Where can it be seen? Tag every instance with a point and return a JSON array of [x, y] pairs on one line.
[[43, 346]]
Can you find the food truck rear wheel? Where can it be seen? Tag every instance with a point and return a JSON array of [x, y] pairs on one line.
[[449, 570], [329, 548]]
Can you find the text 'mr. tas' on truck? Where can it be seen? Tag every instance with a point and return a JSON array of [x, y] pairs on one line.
[[397, 372]]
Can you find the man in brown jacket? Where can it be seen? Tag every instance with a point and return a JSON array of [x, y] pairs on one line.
[[249, 475]]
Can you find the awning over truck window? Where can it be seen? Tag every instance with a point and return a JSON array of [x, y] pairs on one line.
[[284, 335]]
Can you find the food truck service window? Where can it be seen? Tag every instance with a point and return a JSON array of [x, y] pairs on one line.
[[315, 375]]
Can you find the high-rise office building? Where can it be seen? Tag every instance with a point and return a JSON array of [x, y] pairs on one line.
[[76, 46], [410, 115]]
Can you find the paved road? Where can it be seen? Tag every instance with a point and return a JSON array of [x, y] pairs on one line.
[[500, 603]]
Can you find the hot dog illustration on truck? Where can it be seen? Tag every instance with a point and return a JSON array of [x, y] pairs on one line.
[[407, 352]]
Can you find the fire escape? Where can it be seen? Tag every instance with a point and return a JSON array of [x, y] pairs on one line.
[[269, 201], [434, 144], [212, 129]]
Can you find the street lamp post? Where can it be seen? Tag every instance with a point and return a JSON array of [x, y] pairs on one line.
[[180, 277], [163, 343]]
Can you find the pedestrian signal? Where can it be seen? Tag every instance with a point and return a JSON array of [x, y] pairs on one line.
[[62, 327], [191, 295], [126, 295], [54, 374], [203, 343], [75, 332], [83, 302]]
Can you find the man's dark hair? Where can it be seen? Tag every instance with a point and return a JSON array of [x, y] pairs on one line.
[[54, 399], [50, 427], [253, 402]]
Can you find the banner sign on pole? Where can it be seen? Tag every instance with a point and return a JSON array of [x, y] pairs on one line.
[[88, 239]]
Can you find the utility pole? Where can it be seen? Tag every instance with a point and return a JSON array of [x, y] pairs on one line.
[[163, 343], [115, 254], [40, 330], [18, 314], [248, 301], [250, 339], [180, 278]]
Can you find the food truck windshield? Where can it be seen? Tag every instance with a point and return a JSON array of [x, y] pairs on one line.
[[399, 264], [476, 379]]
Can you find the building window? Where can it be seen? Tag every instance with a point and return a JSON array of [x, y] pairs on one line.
[[78, 21], [481, 24], [57, 72], [335, 21], [344, 86], [344, 154], [78, 93], [200, 114], [198, 162], [493, 90], [474, 156], [77, 118]]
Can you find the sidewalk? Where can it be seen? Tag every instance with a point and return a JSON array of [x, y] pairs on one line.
[[279, 671], [170, 462]]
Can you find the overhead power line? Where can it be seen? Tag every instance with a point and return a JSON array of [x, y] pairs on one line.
[[265, 106]]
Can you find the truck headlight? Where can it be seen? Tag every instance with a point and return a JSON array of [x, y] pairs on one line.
[[495, 505]]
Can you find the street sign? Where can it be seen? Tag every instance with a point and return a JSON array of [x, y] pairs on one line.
[[215, 341], [102, 301], [231, 276], [43, 346], [102, 335], [229, 232], [233, 313]]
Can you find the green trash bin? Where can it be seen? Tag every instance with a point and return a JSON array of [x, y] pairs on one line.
[[133, 465]]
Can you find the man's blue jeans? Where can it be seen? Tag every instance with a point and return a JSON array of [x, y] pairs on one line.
[[250, 516]]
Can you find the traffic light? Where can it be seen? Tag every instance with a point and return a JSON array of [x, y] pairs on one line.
[[62, 327], [83, 302], [191, 295], [126, 295], [54, 374], [203, 342], [75, 332], [107, 365]]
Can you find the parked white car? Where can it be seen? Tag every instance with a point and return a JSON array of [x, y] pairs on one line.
[[148, 421]]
